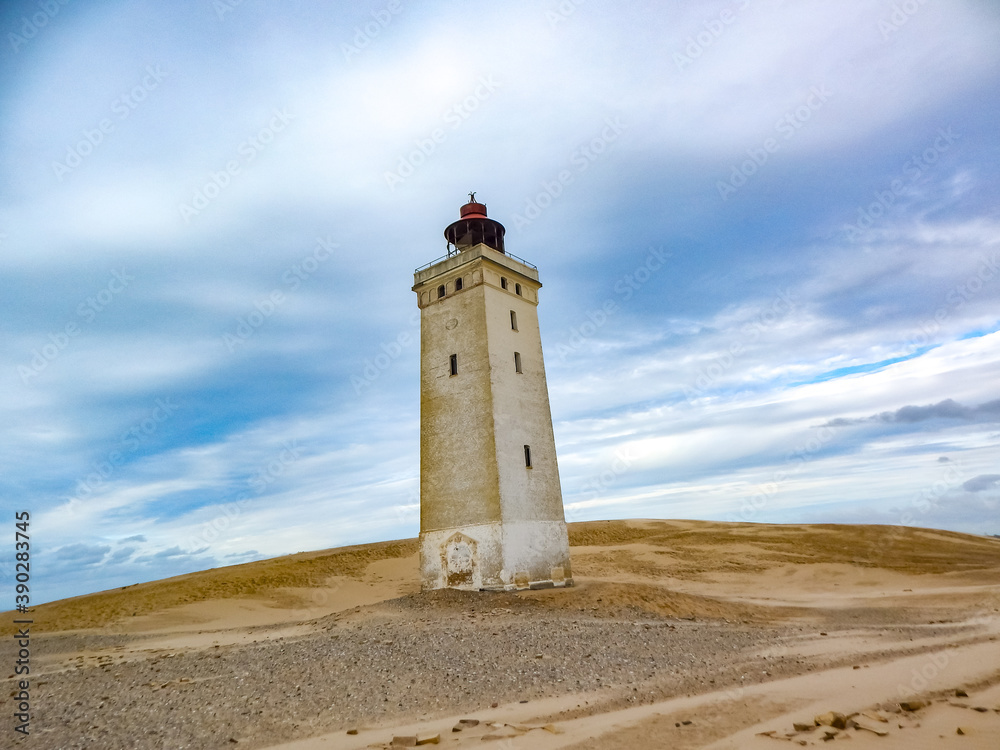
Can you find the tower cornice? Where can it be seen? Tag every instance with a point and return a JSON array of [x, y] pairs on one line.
[[425, 274]]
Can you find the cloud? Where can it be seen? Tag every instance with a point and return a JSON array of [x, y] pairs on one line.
[[982, 482], [241, 555], [121, 555], [167, 554], [948, 409], [766, 329], [82, 554]]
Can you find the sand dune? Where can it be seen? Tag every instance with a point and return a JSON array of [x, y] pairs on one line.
[[741, 630]]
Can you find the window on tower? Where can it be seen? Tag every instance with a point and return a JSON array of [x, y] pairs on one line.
[[517, 289], [517, 362], [513, 320], [527, 456], [503, 283], [458, 284], [440, 291], [453, 364]]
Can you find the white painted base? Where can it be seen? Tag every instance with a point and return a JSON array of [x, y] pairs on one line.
[[496, 557]]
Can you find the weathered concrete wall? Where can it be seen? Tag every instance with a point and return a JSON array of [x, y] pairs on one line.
[[496, 556], [536, 552], [441, 567], [486, 519], [521, 411], [458, 465]]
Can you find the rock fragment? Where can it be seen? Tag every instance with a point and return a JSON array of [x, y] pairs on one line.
[[874, 715], [876, 730], [503, 733], [833, 719]]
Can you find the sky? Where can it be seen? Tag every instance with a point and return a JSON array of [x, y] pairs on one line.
[[768, 233]]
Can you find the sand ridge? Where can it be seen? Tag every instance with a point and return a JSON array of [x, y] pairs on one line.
[[301, 649]]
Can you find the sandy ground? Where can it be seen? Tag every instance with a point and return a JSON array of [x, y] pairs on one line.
[[679, 634]]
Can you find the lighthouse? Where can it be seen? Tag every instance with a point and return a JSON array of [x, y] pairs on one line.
[[491, 512]]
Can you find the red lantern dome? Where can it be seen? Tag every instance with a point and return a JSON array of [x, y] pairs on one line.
[[474, 228]]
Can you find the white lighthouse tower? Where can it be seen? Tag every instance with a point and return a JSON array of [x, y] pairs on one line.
[[491, 512]]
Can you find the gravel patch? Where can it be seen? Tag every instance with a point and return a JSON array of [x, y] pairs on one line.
[[412, 657]]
